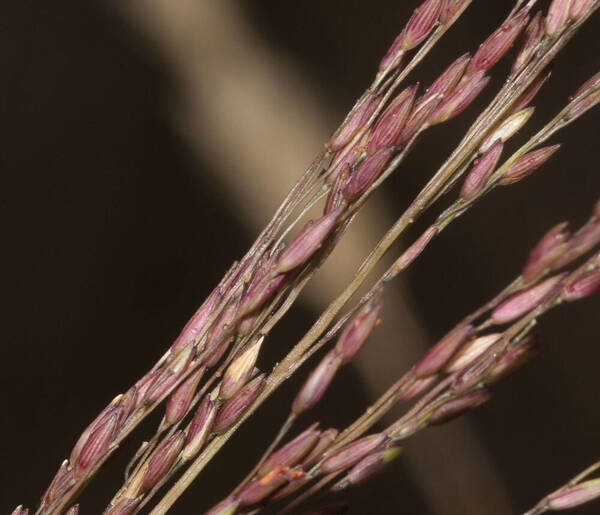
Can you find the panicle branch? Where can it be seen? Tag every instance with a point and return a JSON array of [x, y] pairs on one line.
[[229, 329]]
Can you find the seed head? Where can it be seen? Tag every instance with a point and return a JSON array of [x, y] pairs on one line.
[[308, 241], [170, 374], [527, 164], [438, 356], [246, 324], [297, 481], [508, 128], [200, 428], [179, 401], [458, 406], [420, 24], [179, 363], [292, 453], [344, 158], [125, 506], [416, 387], [337, 508], [514, 359], [418, 119], [144, 386], [425, 105], [352, 453], [259, 489], [552, 245], [197, 323], [366, 173], [97, 443], [62, 481], [127, 403], [590, 95], [557, 16], [335, 199], [415, 250], [394, 55], [240, 370], [104, 415], [575, 495], [356, 332], [387, 129], [315, 386], [494, 47], [481, 172], [223, 328], [470, 352], [578, 245], [354, 123], [579, 8], [367, 468], [523, 302], [450, 8], [260, 293], [531, 91], [163, 460], [233, 409], [583, 286], [212, 357], [459, 99], [475, 374], [531, 37], [584, 105]]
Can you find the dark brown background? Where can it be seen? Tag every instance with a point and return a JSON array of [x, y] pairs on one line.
[[113, 233]]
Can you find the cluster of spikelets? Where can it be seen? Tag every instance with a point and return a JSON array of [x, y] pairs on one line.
[[229, 329]]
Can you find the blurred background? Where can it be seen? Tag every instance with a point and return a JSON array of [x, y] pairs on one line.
[[144, 145]]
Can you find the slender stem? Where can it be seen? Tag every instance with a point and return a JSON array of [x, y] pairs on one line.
[[582, 475]]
